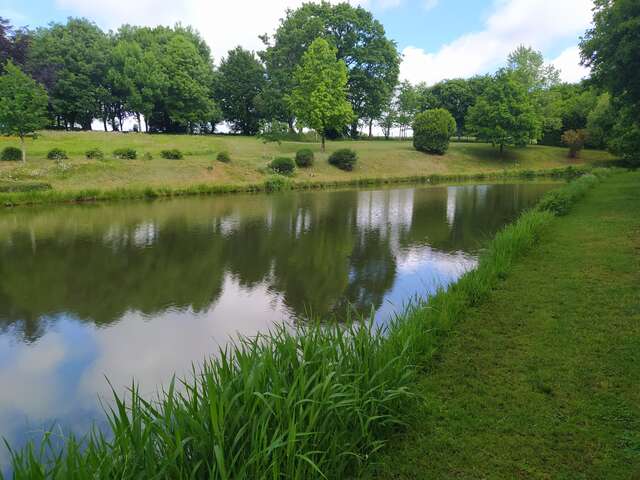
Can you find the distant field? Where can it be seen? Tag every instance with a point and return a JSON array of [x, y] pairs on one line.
[[250, 157]]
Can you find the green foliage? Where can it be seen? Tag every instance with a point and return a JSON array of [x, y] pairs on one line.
[[432, 130], [224, 157], [529, 69], [304, 158], [125, 153], [94, 154], [277, 183], [147, 156], [283, 165], [239, 80], [344, 159], [360, 41], [504, 113], [23, 104], [9, 187], [575, 140], [173, 154], [601, 121], [560, 201], [11, 154], [319, 96], [455, 96], [57, 154]]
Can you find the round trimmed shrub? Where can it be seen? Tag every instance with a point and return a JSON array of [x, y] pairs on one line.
[[224, 157], [94, 154], [344, 159], [173, 154], [432, 131], [283, 165], [304, 158], [125, 153], [57, 154], [11, 154]]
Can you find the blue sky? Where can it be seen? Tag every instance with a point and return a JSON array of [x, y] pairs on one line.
[[438, 38]]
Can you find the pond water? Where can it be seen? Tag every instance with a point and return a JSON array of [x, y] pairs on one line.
[[143, 289]]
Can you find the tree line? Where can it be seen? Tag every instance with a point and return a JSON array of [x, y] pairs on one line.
[[330, 68]]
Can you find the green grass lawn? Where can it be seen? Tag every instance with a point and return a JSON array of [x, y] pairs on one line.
[[543, 379], [250, 156]]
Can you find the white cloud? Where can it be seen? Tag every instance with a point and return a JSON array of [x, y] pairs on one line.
[[430, 4], [538, 23], [568, 62]]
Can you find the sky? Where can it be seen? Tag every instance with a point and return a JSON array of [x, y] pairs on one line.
[[438, 39]]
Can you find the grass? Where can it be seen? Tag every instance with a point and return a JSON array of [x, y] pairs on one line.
[[541, 380], [315, 403], [79, 178]]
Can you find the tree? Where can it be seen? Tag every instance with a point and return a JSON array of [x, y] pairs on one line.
[[239, 81], [372, 59], [408, 104], [70, 60], [504, 114], [456, 97], [319, 96], [528, 67], [432, 131], [575, 140], [601, 121], [23, 105], [14, 43]]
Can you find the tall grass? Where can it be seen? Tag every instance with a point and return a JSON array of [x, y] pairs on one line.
[[312, 403]]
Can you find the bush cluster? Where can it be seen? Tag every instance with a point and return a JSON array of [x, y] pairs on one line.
[[11, 187], [11, 154], [432, 131], [125, 153], [57, 154], [94, 154], [173, 154], [224, 157], [344, 159], [304, 158], [283, 165]]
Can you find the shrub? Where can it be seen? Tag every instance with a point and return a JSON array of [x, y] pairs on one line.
[[173, 154], [575, 140], [11, 154], [432, 131], [125, 153], [147, 156], [283, 165], [304, 157], [277, 183], [94, 154], [344, 159], [57, 154], [224, 157]]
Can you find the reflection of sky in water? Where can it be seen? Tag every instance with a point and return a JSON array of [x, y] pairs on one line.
[[387, 246]]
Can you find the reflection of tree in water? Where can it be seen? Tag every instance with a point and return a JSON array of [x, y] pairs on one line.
[[320, 251]]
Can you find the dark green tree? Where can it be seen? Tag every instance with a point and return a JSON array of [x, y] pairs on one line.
[[455, 96], [371, 58], [238, 83]]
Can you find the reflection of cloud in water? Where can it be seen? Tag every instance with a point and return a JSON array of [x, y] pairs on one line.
[[56, 378]]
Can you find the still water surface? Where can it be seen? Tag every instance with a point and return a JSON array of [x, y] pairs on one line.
[[143, 289]]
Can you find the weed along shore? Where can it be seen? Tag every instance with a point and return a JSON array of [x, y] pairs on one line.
[[318, 402]]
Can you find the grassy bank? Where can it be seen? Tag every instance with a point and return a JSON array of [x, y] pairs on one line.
[[198, 172], [541, 381], [318, 403]]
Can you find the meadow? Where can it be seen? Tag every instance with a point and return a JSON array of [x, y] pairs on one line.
[[387, 160]]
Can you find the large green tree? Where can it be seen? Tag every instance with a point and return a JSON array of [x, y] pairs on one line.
[[529, 68], [371, 58], [23, 105], [504, 113], [71, 61], [318, 98], [239, 81], [611, 49], [455, 96]]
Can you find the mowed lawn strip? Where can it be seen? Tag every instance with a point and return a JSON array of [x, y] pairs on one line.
[[543, 379]]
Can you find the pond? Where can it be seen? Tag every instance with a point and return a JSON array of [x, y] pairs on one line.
[[142, 290]]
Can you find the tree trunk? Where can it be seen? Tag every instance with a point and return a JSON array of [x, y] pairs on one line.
[[139, 122], [370, 128], [24, 149], [501, 148], [323, 140], [104, 122]]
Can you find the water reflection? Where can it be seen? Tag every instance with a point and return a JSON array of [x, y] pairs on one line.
[[143, 290]]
